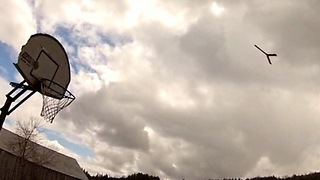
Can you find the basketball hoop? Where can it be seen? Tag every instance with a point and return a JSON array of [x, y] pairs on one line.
[[44, 65], [54, 101]]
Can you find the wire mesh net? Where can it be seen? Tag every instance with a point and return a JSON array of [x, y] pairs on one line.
[[55, 98]]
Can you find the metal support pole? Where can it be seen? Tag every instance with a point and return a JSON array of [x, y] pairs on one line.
[[20, 102], [5, 110]]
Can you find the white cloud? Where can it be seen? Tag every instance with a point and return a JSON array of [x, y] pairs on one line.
[[216, 9], [17, 23]]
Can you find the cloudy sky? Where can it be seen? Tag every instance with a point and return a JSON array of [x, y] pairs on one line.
[[176, 88]]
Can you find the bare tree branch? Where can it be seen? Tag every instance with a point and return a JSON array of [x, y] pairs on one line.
[[24, 144]]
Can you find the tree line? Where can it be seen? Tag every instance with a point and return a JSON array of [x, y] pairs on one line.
[[141, 176], [135, 176]]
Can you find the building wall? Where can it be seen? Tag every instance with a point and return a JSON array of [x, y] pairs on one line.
[[15, 168]]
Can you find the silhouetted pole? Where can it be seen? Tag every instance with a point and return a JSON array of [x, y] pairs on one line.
[[5, 110]]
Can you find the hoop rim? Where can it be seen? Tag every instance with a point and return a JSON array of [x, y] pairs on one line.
[[67, 94]]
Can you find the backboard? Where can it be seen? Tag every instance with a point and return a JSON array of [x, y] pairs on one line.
[[43, 63], [43, 57]]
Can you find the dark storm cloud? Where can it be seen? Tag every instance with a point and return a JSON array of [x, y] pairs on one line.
[[114, 123], [268, 126]]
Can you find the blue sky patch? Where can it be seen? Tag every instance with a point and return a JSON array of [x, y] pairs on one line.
[[9, 122], [76, 148], [66, 34], [69, 34], [7, 58]]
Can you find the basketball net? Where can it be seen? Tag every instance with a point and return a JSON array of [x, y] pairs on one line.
[[52, 106]]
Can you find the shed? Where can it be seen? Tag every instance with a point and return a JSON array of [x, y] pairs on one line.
[[14, 167]]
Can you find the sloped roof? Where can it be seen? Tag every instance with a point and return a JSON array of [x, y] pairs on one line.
[[62, 163]]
